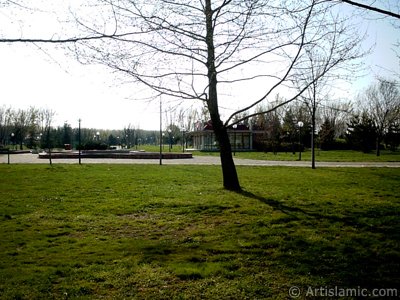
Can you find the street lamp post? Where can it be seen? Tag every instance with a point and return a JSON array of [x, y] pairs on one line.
[[8, 155], [300, 124], [41, 140], [161, 133], [79, 141], [234, 139], [8, 150], [169, 139], [183, 140], [13, 140], [134, 139]]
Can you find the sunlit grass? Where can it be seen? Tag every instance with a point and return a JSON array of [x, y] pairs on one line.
[[332, 155], [162, 232]]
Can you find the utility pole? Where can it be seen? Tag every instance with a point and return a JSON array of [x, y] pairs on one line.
[[161, 137], [79, 141]]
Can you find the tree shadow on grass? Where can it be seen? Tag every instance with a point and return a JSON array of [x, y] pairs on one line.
[[355, 249]]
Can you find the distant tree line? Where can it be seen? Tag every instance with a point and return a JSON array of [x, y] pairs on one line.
[[289, 129], [371, 123], [376, 124], [31, 128], [23, 127]]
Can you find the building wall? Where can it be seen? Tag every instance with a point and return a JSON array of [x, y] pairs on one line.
[[205, 140]]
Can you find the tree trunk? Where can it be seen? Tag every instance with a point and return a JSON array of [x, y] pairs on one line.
[[50, 161], [313, 137], [230, 178], [48, 145]]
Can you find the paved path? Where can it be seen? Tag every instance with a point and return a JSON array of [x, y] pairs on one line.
[[196, 160]]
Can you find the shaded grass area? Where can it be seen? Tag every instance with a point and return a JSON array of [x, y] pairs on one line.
[[162, 232], [332, 155]]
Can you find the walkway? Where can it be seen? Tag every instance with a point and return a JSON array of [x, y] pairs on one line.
[[196, 160]]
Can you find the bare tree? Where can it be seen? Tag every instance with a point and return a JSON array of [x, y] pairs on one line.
[[197, 50], [45, 119], [5, 125], [339, 113], [203, 50], [382, 103], [129, 136], [23, 123], [324, 64]]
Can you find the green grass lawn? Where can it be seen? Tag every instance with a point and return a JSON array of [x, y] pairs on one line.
[[172, 232], [332, 155]]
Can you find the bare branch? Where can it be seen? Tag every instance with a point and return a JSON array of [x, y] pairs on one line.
[[300, 48], [66, 40], [372, 8]]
